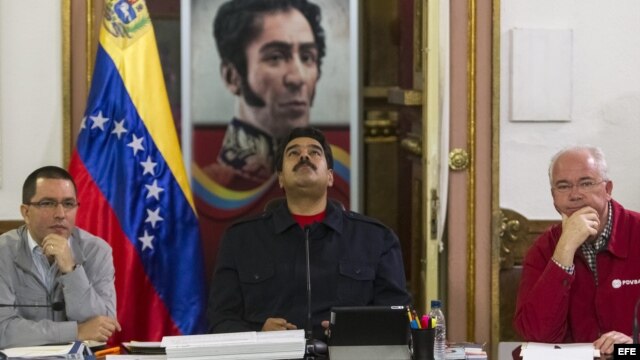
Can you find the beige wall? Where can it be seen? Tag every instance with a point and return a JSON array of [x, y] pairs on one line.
[[605, 100], [30, 94]]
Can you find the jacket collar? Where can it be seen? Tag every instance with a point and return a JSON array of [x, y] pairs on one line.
[[620, 239], [23, 257], [283, 220]]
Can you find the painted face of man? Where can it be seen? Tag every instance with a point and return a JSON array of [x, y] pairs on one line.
[[282, 72]]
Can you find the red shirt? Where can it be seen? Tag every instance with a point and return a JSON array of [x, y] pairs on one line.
[[306, 220], [555, 307]]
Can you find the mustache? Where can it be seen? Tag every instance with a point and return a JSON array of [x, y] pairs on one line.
[[304, 161]]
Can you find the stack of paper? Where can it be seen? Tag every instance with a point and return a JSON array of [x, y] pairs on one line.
[[465, 351], [287, 344], [144, 347], [475, 352], [576, 351], [455, 353], [73, 350]]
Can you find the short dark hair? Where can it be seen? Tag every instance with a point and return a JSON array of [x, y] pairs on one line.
[[45, 172], [237, 23], [309, 132]]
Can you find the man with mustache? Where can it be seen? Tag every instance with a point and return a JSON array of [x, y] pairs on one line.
[[57, 280], [581, 279], [260, 278], [271, 53]]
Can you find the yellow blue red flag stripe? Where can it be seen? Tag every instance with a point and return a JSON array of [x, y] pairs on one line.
[[133, 186], [225, 199]]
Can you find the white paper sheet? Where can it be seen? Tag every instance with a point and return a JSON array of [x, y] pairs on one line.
[[576, 351], [39, 351]]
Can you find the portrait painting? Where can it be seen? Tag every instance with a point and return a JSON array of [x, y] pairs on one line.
[[258, 69]]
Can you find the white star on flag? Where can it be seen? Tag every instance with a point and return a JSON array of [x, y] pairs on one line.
[[149, 166], [136, 144], [153, 217], [98, 121], [120, 129], [83, 123], [146, 241], [154, 190]]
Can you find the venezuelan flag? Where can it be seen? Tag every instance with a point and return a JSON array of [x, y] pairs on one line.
[[132, 185]]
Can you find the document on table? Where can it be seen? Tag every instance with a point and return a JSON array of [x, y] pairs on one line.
[[575, 351], [286, 344], [136, 357], [144, 347], [39, 351]]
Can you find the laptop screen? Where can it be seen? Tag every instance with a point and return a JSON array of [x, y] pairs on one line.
[[368, 325]]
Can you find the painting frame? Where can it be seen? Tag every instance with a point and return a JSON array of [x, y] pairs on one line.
[[353, 117]]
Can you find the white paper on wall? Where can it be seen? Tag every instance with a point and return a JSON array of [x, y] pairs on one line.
[[541, 74]]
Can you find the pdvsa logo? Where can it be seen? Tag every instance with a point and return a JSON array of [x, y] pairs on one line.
[[617, 283]]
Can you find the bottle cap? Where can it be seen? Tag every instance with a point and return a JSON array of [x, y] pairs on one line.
[[436, 303]]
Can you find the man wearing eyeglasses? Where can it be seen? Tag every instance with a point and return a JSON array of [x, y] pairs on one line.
[[56, 280], [581, 279]]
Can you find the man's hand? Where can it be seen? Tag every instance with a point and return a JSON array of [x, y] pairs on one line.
[[606, 341], [277, 324], [54, 245], [576, 229], [98, 328], [325, 325]]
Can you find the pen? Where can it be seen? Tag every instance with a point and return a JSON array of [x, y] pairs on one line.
[[108, 351], [409, 314], [414, 314]]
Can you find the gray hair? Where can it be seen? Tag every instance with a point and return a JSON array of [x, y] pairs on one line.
[[595, 152]]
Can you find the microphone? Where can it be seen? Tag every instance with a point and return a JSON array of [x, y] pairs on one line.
[[56, 306], [314, 348], [635, 322], [307, 326]]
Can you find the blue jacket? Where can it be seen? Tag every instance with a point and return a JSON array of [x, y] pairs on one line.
[[260, 271]]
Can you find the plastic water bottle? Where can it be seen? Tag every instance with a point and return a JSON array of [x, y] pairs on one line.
[[440, 338]]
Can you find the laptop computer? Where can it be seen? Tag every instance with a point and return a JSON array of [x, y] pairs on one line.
[[369, 332]]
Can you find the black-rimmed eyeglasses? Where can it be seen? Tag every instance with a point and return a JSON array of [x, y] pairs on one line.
[[583, 186], [52, 204]]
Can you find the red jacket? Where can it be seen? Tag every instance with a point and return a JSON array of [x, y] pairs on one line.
[[556, 307]]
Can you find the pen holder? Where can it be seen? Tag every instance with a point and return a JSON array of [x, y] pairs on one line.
[[422, 344]]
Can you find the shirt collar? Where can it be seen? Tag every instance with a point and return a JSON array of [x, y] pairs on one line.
[[33, 244], [602, 240]]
